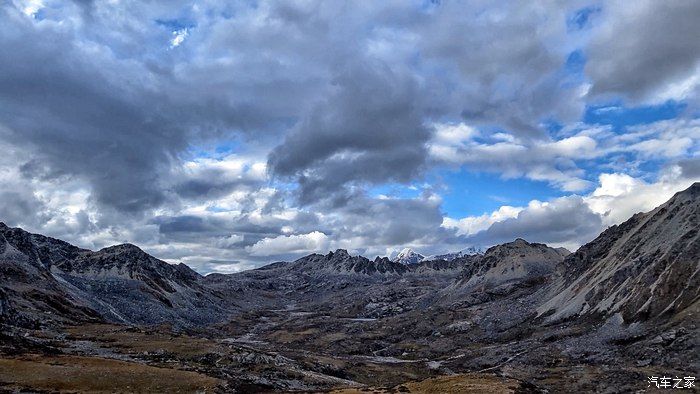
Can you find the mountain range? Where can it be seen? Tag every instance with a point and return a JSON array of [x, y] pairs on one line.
[[620, 308]]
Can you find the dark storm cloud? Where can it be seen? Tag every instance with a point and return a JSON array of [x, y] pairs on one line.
[[566, 220], [369, 130], [100, 112], [212, 183], [80, 122], [388, 221], [690, 168], [501, 65], [107, 101], [493, 67], [19, 205], [208, 226], [643, 46]]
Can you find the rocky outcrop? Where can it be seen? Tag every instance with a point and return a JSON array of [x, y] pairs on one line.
[[127, 285], [517, 261]]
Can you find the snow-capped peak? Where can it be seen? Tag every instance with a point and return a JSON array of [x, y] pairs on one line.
[[470, 251], [408, 256]]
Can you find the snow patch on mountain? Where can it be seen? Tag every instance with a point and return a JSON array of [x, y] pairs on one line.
[[408, 256]]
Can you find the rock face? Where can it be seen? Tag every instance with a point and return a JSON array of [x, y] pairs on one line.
[[644, 268], [340, 282], [125, 284]]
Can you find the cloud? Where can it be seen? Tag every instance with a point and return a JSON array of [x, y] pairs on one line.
[[201, 131], [474, 224], [551, 161], [574, 220], [640, 49], [690, 168], [230, 241], [619, 196], [369, 131], [178, 37], [204, 178], [20, 205], [563, 221], [500, 64], [286, 244]]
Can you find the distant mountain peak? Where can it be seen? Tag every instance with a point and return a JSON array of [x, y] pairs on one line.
[[516, 261], [469, 251], [339, 253], [408, 256], [121, 248]]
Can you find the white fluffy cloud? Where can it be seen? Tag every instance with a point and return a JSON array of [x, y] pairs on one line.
[[285, 244], [574, 220], [552, 161], [556, 160], [619, 196], [471, 225]]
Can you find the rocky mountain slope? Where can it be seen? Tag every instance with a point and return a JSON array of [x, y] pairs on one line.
[[42, 275], [28, 291], [643, 268]]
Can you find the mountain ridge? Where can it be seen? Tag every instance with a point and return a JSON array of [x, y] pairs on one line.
[[623, 303]]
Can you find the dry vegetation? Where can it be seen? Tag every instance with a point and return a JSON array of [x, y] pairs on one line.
[[75, 373], [463, 383]]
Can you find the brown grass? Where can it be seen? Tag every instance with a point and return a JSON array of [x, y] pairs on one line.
[[284, 336], [92, 374], [463, 383], [126, 341]]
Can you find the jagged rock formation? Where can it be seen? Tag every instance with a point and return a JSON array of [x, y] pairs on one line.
[[645, 267], [340, 262], [366, 287], [128, 285]]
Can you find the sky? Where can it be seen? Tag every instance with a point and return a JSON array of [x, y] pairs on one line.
[[228, 135]]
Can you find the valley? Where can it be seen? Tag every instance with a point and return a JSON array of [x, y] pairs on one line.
[[520, 317]]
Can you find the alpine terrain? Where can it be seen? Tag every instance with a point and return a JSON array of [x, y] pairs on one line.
[[516, 317]]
